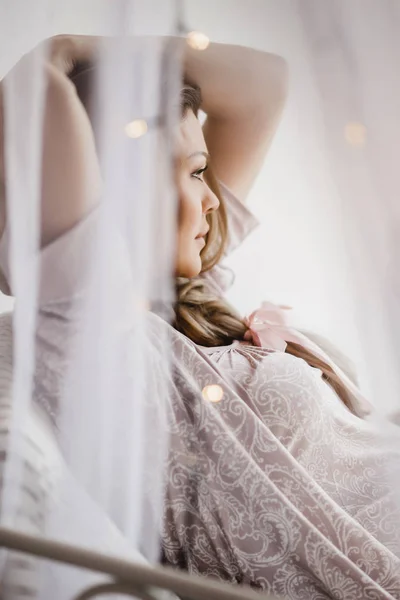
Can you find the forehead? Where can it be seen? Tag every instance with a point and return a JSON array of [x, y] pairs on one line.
[[190, 137]]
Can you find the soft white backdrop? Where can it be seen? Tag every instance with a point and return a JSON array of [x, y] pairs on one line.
[[297, 256]]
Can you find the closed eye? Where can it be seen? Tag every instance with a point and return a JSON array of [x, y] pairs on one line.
[[198, 174]]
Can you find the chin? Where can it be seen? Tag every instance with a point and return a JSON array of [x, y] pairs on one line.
[[189, 268]]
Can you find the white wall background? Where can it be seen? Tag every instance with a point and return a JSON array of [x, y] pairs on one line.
[[297, 256]]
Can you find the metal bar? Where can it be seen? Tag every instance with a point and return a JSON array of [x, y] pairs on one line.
[[191, 587], [116, 588]]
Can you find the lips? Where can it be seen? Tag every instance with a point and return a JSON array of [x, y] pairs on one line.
[[203, 234]]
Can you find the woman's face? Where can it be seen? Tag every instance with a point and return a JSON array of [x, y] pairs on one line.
[[196, 199]]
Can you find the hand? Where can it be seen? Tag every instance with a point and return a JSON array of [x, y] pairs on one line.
[[66, 51]]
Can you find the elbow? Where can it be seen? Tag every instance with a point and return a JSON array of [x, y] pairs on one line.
[[267, 83], [282, 76], [271, 85], [275, 78]]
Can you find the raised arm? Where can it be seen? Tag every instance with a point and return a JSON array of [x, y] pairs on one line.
[[70, 172], [243, 91]]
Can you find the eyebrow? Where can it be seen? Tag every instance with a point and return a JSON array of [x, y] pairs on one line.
[[205, 154]]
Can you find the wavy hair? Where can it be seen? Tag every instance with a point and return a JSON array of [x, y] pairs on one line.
[[209, 320]]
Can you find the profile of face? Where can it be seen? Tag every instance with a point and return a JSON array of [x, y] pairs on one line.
[[196, 199]]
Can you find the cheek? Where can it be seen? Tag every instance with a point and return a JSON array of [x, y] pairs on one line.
[[188, 261], [190, 211]]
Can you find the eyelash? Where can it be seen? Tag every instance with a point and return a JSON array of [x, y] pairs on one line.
[[199, 172]]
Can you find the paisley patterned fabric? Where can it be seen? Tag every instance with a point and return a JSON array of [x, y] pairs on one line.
[[277, 485]]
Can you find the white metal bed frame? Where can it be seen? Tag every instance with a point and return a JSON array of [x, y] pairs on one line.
[[127, 578]]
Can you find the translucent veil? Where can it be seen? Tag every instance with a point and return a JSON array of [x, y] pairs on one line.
[[353, 49], [124, 267], [111, 397]]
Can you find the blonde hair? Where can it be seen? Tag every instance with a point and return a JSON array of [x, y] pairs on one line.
[[209, 320]]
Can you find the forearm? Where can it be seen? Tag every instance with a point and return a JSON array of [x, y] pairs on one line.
[[231, 77]]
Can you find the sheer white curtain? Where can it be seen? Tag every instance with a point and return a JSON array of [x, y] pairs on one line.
[[105, 410], [354, 49]]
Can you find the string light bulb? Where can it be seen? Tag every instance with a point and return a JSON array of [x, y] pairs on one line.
[[355, 134], [213, 393], [136, 128], [197, 40]]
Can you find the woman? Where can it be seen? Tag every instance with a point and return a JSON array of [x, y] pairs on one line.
[[280, 485]]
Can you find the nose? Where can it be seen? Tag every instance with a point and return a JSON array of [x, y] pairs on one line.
[[210, 201]]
